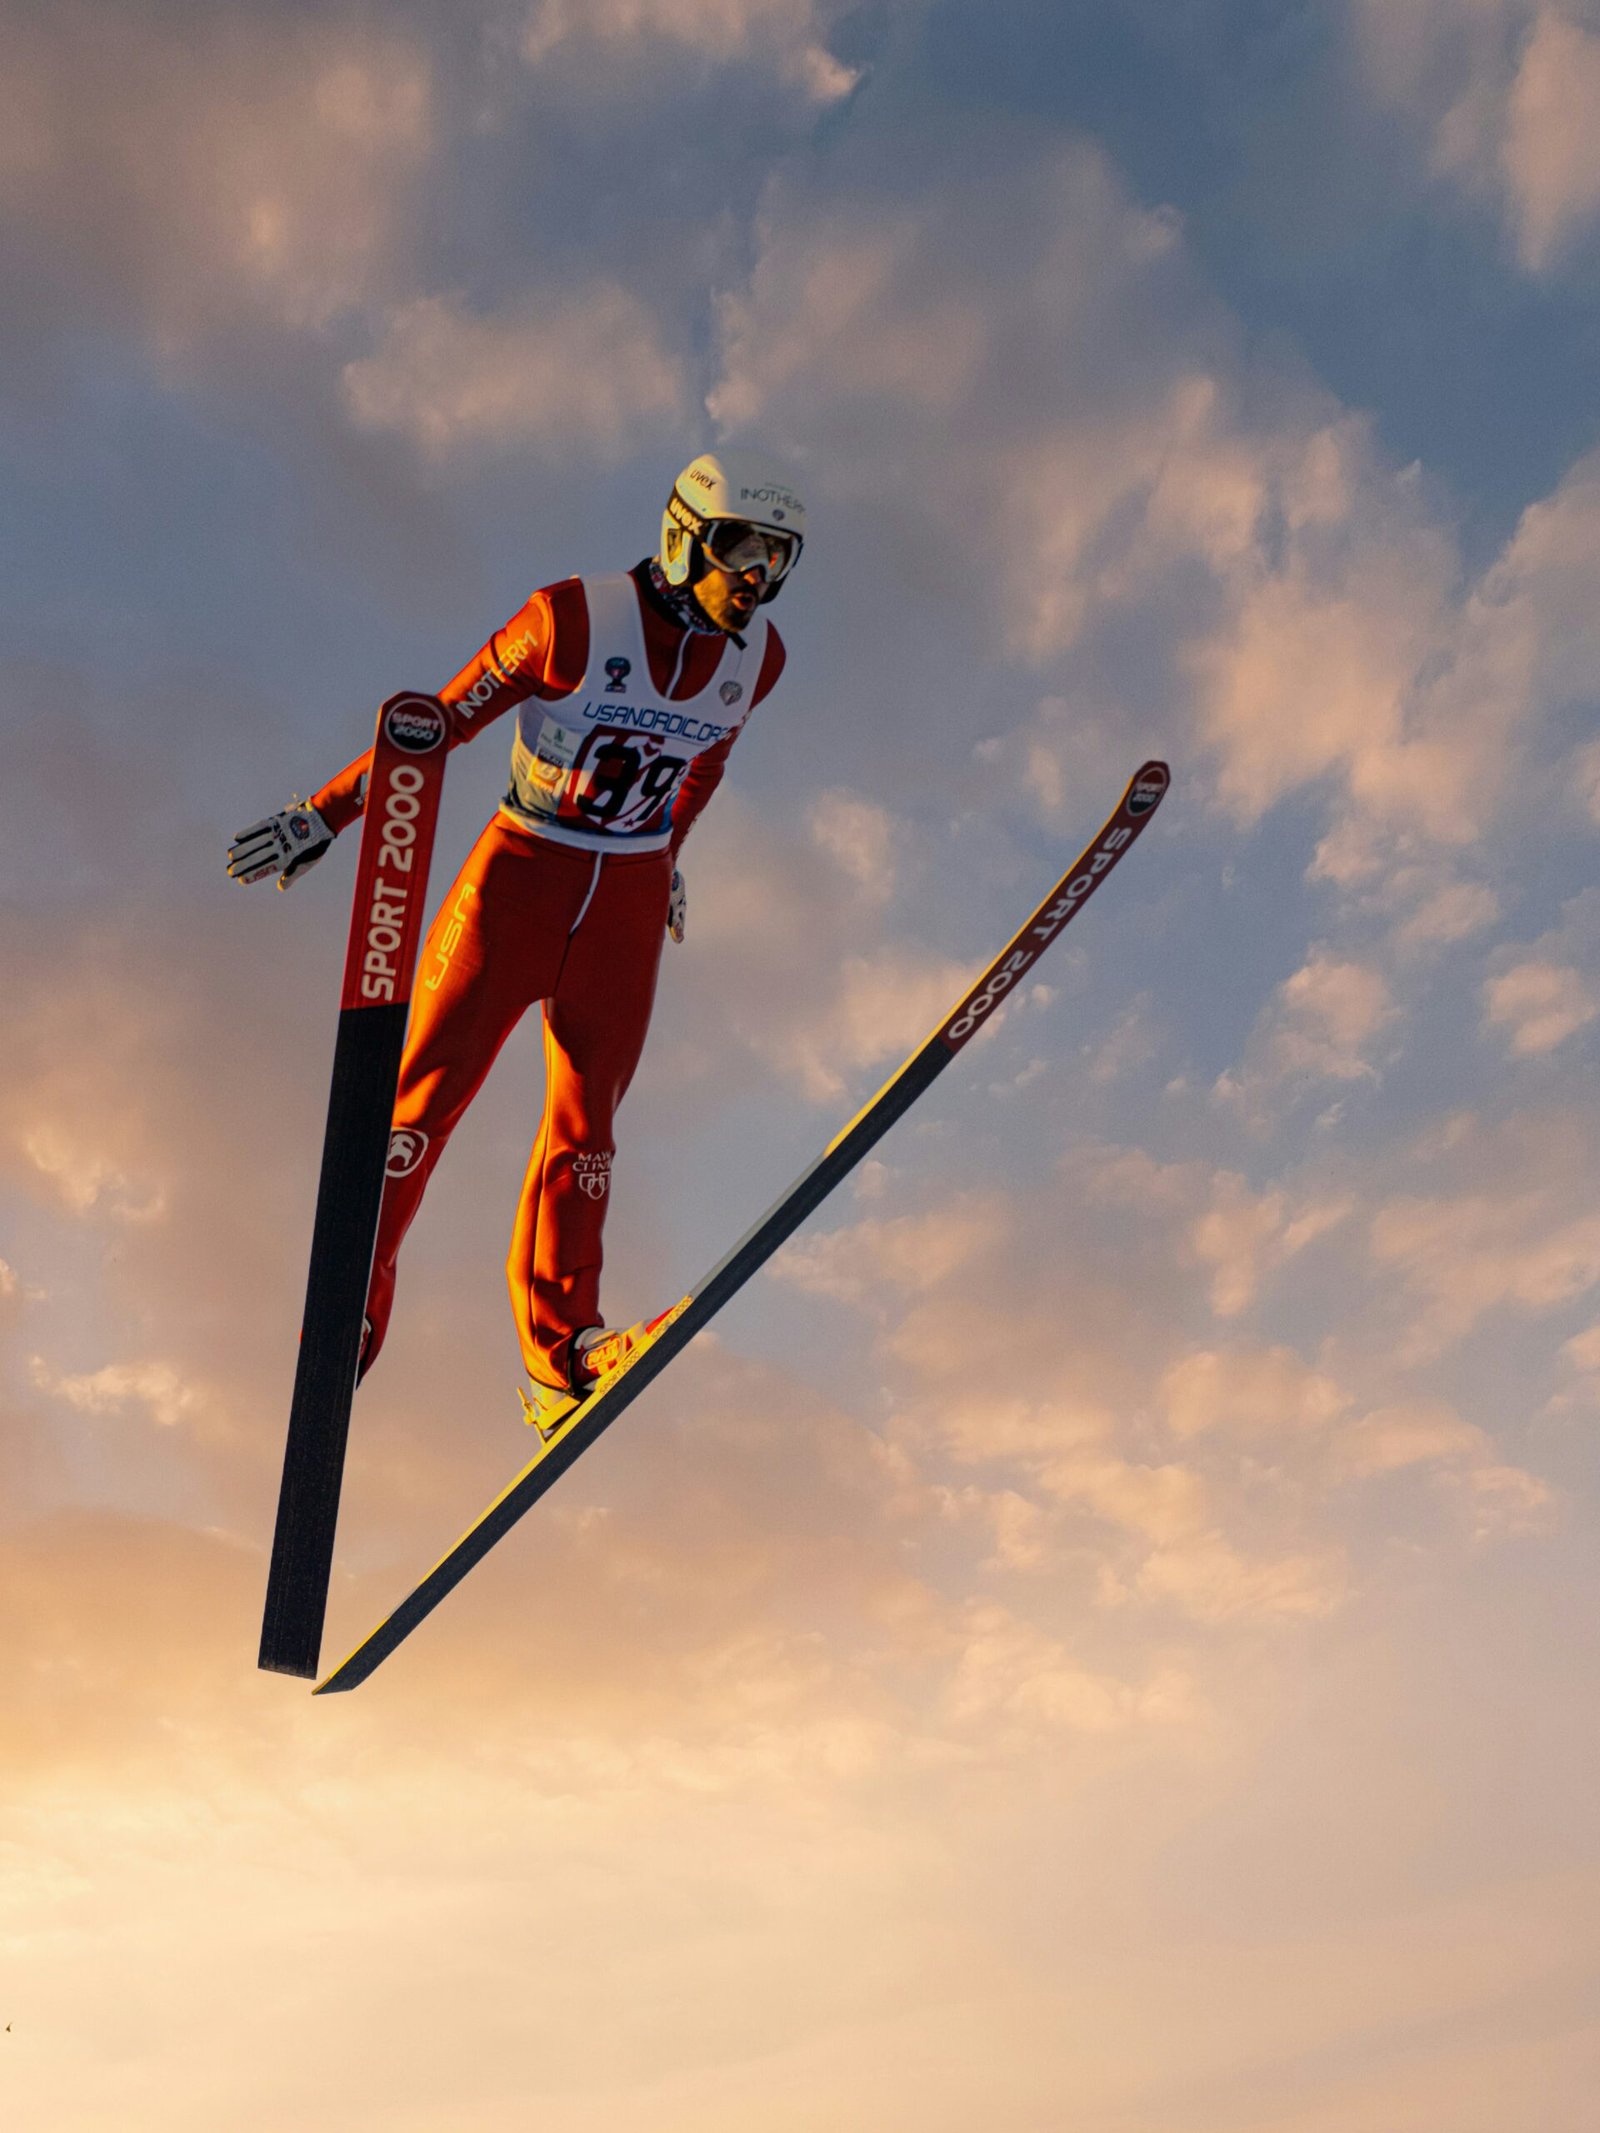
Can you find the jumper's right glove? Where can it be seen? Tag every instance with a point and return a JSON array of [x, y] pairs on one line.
[[294, 840], [677, 905]]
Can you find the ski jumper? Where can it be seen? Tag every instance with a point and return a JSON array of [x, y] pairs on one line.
[[626, 714]]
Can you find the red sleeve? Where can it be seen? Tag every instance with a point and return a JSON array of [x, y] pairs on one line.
[[771, 667], [704, 774], [700, 781], [542, 651]]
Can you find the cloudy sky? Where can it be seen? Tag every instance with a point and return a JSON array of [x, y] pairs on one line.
[[1103, 1635]]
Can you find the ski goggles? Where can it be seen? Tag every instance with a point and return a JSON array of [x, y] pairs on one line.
[[735, 545]]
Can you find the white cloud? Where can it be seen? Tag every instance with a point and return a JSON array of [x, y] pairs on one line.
[[1131, 1042], [1586, 777], [906, 1253], [860, 837], [1243, 1236], [1408, 1433], [1163, 1503], [885, 1004], [1465, 1254], [801, 973], [1328, 1013], [1261, 1395], [1311, 670], [1504, 1500], [1552, 124], [1581, 1356], [1443, 759], [1452, 912], [791, 34], [1213, 1582], [1584, 1349], [960, 358], [1539, 1004], [1180, 1555], [160, 1389], [1013, 1675], [87, 1176], [1004, 1424], [1507, 93], [1321, 1024], [198, 174], [1019, 1527], [588, 372], [1163, 1540], [1302, 599]]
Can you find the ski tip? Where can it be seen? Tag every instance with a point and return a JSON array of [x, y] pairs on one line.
[[352, 1671], [1147, 788]]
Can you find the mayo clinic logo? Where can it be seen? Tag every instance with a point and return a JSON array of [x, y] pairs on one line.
[[593, 1172], [407, 1146]]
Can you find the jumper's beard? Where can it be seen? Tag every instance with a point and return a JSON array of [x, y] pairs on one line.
[[681, 600]]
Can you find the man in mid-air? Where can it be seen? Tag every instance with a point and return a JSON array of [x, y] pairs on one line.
[[630, 691]]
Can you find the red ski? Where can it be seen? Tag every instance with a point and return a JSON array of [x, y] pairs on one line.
[[402, 807], [663, 1338]]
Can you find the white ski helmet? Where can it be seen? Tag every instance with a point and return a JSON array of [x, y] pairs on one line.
[[715, 497]]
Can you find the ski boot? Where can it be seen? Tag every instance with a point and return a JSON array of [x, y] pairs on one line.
[[596, 1355]]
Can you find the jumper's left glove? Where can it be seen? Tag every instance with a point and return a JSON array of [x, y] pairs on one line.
[[677, 905]]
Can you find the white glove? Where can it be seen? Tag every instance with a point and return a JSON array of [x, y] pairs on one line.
[[677, 906], [294, 840]]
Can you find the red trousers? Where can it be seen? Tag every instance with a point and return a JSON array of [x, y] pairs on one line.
[[530, 920]]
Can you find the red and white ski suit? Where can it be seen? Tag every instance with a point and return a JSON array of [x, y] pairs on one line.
[[626, 717]]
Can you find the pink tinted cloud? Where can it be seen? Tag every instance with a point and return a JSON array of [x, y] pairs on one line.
[[1504, 96], [586, 372], [183, 175]]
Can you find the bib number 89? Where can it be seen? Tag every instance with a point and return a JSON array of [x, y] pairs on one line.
[[622, 781]]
